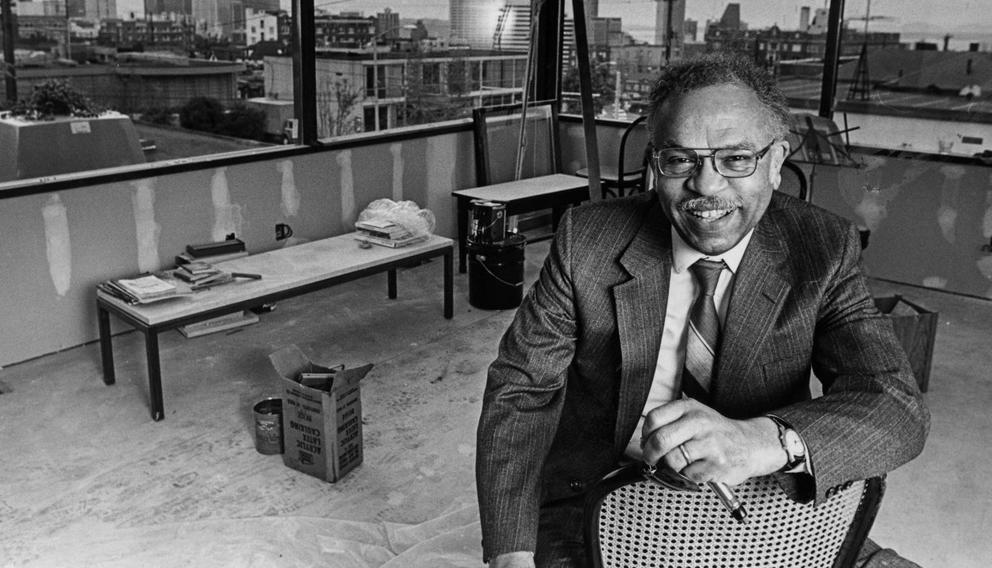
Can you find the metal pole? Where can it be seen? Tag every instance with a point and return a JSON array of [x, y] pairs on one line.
[[375, 78], [828, 89], [9, 72]]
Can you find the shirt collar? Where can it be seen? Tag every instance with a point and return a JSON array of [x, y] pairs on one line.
[[684, 255]]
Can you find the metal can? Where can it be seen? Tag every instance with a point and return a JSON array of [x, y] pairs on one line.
[[268, 426], [487, 223]]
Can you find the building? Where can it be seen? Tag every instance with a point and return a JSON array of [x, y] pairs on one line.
[[138, 81], [387, 24], [345, 30], [169, 33], [261, 26], [513, 28], [669, 26], [358, 89], [473, 22]]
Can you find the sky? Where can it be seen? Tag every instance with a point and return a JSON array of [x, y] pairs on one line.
[[898, 15]]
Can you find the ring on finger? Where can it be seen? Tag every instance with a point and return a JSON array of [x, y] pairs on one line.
[[685, 454]]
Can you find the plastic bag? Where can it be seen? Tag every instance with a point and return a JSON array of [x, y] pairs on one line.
[[419, 223]]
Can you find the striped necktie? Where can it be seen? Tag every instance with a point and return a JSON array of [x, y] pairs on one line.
[[703, 338]]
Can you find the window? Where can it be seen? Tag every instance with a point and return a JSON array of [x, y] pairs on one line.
[[374, 65]]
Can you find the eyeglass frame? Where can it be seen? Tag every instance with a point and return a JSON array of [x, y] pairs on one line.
[[712, 156]]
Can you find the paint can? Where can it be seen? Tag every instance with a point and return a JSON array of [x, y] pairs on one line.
[[496, 273], [268, 426], [487, 223]]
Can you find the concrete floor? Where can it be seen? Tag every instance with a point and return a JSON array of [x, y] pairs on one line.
[[88, 479]]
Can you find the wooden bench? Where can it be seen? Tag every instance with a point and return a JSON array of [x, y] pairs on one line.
[[286, 272], [554, 191]]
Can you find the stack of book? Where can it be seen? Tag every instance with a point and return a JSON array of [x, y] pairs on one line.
[[212, 252], [219, 323], [141, 290], [385, 233], [197, 272]]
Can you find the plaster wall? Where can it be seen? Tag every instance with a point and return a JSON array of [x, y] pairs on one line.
[[55, 247]]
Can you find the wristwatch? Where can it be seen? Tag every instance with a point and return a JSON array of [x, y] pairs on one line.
[[792, 444]]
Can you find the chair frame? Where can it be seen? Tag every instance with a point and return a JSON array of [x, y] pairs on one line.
[[607, 182], [621, 171], [857, 533], [801, 176]]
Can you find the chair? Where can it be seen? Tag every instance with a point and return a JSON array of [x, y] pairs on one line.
[[633, 522], [633, 155], [794, 181]]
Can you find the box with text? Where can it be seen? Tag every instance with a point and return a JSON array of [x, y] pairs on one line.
[[322, 415]]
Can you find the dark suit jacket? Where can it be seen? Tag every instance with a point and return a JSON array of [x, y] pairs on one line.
[[574, 368]]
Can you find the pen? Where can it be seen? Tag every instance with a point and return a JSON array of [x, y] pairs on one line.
[[727, 496], [246, 275], [729, 500]]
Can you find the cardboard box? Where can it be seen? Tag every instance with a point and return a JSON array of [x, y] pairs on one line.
[[322, 419], [916, 328]]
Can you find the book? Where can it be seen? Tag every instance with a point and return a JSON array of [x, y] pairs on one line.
[[144, 289], [217, 324], [198, 267], [212, 249], [186, 258], [382, 229], [196, 271], [147, 287], [392, 243]]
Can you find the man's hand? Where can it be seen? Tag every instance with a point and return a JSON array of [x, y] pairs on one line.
[[714, 447], [522, 559]]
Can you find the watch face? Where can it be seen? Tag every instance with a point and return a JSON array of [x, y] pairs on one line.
[[794, 444]]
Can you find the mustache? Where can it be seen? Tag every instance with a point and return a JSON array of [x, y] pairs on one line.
[[706, 204]]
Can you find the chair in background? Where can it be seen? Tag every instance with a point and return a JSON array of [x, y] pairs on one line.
[[627, 172], [633, 522], [794, 181]]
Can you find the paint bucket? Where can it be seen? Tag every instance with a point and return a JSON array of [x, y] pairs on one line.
[[487, 223], [268, 426], [496, 273]]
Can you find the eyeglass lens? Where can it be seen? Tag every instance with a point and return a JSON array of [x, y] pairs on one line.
[[729, 162]]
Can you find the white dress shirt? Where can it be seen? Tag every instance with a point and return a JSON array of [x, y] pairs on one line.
[[667, 383]]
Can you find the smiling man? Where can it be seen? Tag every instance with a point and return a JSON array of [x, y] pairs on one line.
[[617, 355]]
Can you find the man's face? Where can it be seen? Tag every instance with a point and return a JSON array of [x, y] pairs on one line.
[[712, 212]]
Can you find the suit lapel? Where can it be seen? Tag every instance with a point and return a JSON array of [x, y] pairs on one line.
[[640, 306], [760, 289]]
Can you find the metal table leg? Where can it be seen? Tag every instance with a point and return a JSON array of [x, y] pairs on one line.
[[154, 374], [106, 345], [392, 283], [449, 293], [462, 233]]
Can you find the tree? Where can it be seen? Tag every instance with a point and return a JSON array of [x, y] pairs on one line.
[[241, 121], [202, 113], [336, 104], [55, 97], [603, 79], [434, 90]]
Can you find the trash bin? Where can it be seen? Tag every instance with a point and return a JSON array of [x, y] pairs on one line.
[[496, 273], [916, 328]]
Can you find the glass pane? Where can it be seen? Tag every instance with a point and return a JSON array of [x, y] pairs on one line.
[[150, 82]]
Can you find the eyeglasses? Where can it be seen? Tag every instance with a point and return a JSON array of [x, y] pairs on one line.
[[728, 162]]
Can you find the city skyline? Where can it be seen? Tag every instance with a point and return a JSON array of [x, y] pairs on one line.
[[887, 15]]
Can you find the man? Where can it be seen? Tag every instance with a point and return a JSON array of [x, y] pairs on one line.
[[590, 373]]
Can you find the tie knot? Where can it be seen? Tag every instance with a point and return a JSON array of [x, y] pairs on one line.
[[707, 273]]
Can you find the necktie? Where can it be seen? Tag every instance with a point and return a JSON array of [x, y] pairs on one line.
[[703, 337]]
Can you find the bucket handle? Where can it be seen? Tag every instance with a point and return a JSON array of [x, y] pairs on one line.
[[504, 282]]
